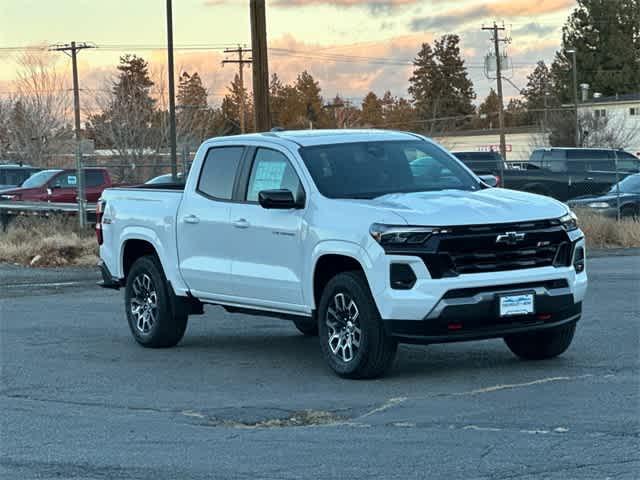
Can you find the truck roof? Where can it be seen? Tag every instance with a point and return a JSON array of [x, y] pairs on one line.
[[307, 138]]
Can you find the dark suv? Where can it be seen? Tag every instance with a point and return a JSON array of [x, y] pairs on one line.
[[12, 175]]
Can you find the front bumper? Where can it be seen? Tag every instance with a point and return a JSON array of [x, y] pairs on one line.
[[472, 314]]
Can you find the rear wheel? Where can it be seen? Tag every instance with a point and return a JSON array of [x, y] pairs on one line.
[[543, 344], [352, 335], [151, 312]]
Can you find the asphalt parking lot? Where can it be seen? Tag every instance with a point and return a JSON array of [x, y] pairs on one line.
[[244, 397]]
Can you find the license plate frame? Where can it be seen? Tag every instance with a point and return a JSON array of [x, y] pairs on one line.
[[516, 304]]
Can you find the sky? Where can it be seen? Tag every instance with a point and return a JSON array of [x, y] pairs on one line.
[[349, 46]]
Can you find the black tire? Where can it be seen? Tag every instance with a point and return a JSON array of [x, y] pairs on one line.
[[375, 350], [543, 344], [167, 326], [630, 213], [307, 327]]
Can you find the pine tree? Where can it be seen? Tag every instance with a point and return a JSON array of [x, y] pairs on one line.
[[371, 111], [606, 37], [488, 111], [194, 116], [440, 86], [309, 96]]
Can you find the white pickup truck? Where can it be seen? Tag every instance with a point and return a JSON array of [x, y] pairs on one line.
[[366, 238]]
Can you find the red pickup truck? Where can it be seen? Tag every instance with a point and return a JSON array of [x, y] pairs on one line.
[[60, 186]]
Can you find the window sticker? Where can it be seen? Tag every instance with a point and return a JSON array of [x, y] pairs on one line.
[[72, 180], [267, 176]]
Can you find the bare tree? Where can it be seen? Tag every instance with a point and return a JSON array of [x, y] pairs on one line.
[[40, 111], [617, 132]]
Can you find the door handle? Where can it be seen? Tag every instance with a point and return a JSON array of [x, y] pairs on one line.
[[191, 219], [589, 179], [241, 223]]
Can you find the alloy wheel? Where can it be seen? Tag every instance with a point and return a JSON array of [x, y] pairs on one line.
[[345, 335], [144, 303]]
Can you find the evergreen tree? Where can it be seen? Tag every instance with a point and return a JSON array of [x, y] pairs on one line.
[[606, 37], [440, 86], [194, 118], [489, 110], [371, 115], [308, 91], [129, 122]]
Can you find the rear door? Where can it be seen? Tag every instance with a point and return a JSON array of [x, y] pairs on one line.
[[204, 232], [592, 171], [266, 269], [94, 183]]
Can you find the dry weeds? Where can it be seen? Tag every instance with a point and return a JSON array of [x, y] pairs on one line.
[[48, 242]]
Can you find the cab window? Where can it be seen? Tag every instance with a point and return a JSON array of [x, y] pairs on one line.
[[271, 170]]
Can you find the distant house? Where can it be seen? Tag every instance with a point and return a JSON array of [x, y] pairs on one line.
[[622, 113]]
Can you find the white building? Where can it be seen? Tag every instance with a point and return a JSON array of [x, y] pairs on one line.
[[622, 115]]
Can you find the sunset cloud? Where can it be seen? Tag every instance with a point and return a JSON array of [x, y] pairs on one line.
[[475, 12]]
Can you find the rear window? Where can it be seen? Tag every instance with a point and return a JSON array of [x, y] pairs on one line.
[[94, 178], [14, 176], [590, 160], [628, 162], [480, 162], [219, 172]]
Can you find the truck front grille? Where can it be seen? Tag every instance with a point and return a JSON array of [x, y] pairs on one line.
[[475, 249]]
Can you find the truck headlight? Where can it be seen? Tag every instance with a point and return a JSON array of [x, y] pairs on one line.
[[569, 221], [392, 235], [598, 205]]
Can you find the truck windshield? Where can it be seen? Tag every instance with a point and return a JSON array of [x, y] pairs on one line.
[[39, 179], [373, 169]]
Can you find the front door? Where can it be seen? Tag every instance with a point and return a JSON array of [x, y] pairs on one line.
[[204, 233], [267, 243], [63, 188]]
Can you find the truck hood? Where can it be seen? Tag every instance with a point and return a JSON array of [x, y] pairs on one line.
[[22, 191], [459, 207]]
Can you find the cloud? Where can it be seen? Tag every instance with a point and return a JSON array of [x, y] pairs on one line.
[[458, 17], [375, 6], [534, 29]]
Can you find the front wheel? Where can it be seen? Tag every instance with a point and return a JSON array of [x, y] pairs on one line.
[[152, 316], [543, 344], [352, 335]]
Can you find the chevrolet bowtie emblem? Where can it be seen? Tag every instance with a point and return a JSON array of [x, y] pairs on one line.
[[510, 238]]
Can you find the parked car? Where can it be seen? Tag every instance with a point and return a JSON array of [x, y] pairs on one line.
[[58, 185], [483, 163], [336, 231], [165, 179], [566, 173], [12, 175], [628, 190]]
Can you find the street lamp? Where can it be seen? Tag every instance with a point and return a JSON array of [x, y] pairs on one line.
[[572, 51]]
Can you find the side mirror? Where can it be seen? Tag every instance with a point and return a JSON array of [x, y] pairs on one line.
[[277, 199], [490, 180]]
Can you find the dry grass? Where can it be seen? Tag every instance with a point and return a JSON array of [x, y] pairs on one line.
[[48, 242], [602, 232]]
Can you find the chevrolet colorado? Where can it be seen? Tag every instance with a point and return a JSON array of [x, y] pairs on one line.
[[366, 238]]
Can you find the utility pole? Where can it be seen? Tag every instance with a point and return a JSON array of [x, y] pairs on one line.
[[172, 95], [572, 51], [260, 65], [72, 49], [496, 45], [241, 63]]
